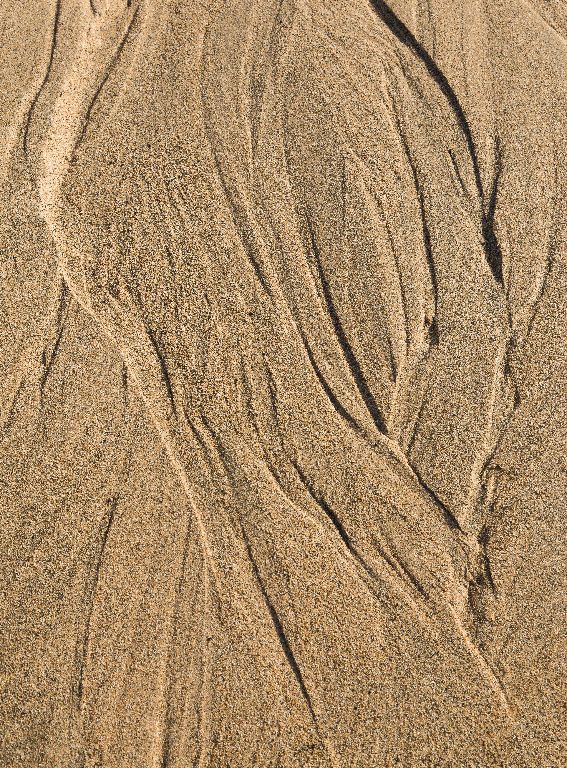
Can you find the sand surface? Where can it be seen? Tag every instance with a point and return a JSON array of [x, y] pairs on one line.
[[283, 383]]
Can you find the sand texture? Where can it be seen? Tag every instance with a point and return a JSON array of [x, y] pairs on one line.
[[283, 383]]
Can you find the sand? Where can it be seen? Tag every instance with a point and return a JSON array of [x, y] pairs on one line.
[[283, 398]]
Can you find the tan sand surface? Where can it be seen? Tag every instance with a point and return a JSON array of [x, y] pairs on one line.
[[283, 383]]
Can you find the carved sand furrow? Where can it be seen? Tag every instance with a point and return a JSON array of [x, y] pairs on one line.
[[282, 347]]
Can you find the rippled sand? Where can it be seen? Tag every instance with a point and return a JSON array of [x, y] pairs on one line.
[[283, 383]]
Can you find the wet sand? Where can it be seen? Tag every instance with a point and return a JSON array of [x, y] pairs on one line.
[[283, 368]]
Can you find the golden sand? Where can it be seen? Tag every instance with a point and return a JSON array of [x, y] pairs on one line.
[[283, 383]]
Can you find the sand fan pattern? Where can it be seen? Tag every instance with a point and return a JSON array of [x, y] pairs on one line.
[[283, 394]]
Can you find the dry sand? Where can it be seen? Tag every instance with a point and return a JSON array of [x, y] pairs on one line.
[[283, 383]]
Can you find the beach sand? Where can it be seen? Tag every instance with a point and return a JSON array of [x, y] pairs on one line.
[[283, 383]]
